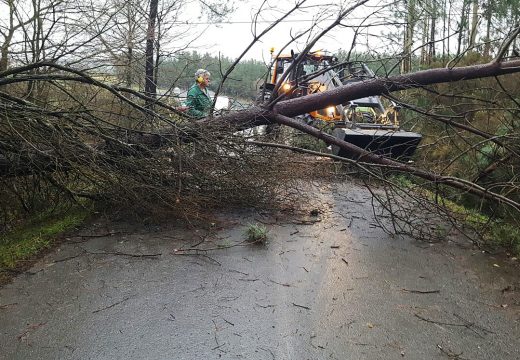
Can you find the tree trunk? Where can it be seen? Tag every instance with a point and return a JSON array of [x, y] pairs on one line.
[[448, 35], [462, 26], [129, 64], [425, 39], [157, 54], [130, 40], [513, 44], [150, 88], [487, 45], [444, 15], [474, 25], [4, 53], [35, 45], [406, 65], [4, 50], [431, 50]]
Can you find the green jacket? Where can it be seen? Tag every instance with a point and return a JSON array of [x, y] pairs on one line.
[[198, 102]]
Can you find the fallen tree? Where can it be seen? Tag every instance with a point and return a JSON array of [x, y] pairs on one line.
[[66, 136], [281, 112]]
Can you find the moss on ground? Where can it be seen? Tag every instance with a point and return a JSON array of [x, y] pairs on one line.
[[39, 233]]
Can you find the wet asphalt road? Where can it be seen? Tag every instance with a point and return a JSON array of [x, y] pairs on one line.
[[339, 288]]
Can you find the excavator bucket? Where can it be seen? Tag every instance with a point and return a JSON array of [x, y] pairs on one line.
[[392, 143], [371, 126]]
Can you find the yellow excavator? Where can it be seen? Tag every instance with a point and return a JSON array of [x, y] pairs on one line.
[[364, 122]]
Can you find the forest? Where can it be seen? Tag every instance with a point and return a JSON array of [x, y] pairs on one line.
[[244, 82], [84, 129]]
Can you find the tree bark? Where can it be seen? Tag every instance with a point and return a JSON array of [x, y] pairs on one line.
[[487, 45], [432, 31], [474, 24], [406, 65], [462, 25], [379, 86], [150, 87]]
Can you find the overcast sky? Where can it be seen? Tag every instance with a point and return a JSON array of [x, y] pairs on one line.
[[232, 36]]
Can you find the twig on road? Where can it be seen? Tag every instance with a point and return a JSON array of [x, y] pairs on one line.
[[302, 306], [30, 327], [450, 354], [220, 247], [111, 233], [265, 306], [111, 306], [421, 291], [438, 322], [268, 350], [197, 254], [275, 282], [216, 339], [219, 346], [70, 257], [238, 272], [229, 322], [486, 331], [202, 239], [468, 325], [5, 306], [118, 253], [306, 222]]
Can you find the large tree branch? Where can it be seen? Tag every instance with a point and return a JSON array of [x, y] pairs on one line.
[[258, 115], [368, 157], [379, 86], [286, 109]]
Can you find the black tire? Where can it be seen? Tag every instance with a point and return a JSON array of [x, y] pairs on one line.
[[263, 96]]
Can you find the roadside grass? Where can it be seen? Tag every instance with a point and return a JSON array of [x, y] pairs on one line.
[[495, 232], [37, 234], [505, 235], [256, 233]]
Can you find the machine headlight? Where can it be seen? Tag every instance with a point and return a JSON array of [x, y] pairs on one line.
[[331, 111], [286, 87]]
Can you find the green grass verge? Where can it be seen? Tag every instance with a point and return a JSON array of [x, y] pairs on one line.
[[36, 235], [505, 235]]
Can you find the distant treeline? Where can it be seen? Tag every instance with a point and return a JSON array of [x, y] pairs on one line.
[[242, 83], [248, 74]]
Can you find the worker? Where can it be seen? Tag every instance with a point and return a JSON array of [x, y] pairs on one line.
[[198, 102]]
